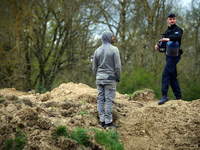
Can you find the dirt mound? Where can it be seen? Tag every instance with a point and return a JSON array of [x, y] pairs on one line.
[[142, 123], [143, 95], [174, 125]]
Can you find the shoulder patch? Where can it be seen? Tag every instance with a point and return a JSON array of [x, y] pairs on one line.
[[176, 32]]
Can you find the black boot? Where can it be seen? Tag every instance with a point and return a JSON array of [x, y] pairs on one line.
[[163, 100], [178, 98], [102, 124], [110, 125]]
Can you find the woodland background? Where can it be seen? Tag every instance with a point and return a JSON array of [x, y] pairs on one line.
[[44, 43]]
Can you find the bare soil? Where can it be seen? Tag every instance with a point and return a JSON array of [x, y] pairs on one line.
[[143, 124]]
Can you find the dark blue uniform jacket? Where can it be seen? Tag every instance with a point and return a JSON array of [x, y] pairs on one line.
[[174, 33]]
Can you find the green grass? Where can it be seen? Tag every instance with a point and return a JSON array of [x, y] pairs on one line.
[[20, 140], [82, 102], [81, 136], [9, 144], [83, 112], [18, 143], [60, 131], [1, 99], [109, 139]]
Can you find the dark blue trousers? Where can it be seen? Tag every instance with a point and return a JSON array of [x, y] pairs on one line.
[[169, 76]]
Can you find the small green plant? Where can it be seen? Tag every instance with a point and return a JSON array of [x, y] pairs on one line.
[[52, 107], [81, 136], [9, 144], [60, 131], [82, 102], [18, 143], [1, 99], [83, 112], [65, 100], [20, 140], [109, 139]]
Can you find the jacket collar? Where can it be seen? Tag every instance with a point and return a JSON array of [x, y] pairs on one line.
[[172, 26]]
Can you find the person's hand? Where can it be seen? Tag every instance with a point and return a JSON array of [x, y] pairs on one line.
[[156, 47], [165, 39]]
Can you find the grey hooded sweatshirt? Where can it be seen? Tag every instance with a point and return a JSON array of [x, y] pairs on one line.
[[106, 62]]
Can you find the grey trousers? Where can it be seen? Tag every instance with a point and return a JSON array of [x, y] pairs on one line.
[[105, 99]]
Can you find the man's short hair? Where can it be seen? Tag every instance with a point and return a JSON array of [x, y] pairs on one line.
[[171, 15]]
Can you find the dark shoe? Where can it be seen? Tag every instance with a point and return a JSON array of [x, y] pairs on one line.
[[163, 100], [102, 124], [110, 125]]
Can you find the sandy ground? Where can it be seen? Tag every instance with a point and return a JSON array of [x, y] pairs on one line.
[[142, 123]]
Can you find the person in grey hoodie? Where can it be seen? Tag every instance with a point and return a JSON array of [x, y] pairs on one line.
[[107, 69]]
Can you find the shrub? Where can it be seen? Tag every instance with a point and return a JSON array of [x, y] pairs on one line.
[[18, 143], [20, 140], [109, 139], [139, 78], [191, 90], [60, 131], [81, 136], [9, 144]]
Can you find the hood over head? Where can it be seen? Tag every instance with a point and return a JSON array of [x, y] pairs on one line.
[[107, 37]]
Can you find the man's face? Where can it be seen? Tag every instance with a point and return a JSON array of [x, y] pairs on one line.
[[113, 38], [171, 21]]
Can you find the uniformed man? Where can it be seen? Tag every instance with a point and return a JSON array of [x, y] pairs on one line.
[[172, 38]]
